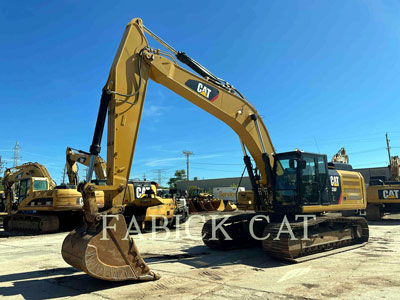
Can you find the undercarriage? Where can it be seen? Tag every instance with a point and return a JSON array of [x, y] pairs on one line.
[[288, 239]]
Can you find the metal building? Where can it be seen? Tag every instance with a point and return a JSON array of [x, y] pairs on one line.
[[209, 184]]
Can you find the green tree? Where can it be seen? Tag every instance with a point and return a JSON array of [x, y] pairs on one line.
[[180, 175]]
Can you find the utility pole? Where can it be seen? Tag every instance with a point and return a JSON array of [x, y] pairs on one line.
[[2, 163], [388, 149], [64, 172], [17, 157], [187, 153]]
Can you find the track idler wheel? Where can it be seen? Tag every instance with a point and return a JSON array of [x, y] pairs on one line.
[[115, 258]]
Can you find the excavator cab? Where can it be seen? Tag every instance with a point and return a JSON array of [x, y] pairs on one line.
[[300, 179], [29, 185]]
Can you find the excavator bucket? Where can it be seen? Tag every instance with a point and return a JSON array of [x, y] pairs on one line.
[[202, 205], [208, 205], [230, 206], [218, 204], [107, 254], [192, 208]]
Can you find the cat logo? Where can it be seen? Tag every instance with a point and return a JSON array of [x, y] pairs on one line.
[[207, 91], [390, 194], [141, 191], [335, 181], [203, 90]]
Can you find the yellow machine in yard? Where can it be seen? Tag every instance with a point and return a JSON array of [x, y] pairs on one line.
[[283, 184], [383, 196], [73, 156], [2, 202], [199, 200], [341, 157], [35, 204], [140, 201]]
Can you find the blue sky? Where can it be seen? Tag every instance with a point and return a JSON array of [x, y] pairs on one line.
[[323, 75]]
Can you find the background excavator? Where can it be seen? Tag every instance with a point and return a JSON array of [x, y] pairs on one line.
[[141, 200], [73, 156], [35, 204], [340, 157], [282, 183], [383, 196], [2, 202], [199, 200]]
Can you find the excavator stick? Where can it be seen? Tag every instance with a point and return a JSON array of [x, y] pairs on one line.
[[115, 258]]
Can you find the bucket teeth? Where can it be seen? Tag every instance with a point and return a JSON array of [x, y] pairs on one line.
[[106, 254]]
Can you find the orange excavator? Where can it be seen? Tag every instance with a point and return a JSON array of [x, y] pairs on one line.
[[282, 183]]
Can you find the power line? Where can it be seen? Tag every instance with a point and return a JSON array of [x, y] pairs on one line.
[[370, 164], [215, 170], [213, 164], [367, 151]]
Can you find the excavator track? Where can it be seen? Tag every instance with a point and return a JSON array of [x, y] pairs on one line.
[[27, 223], [237, 227], [325, 234]]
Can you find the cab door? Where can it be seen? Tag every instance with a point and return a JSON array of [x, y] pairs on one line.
[[314, 180], [310, 186], [323, 180], [23, 189]]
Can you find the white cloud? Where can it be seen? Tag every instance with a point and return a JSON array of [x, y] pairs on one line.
[[169, 161], [155, 110]]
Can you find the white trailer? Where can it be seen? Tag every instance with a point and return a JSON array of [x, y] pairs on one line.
[[227, 193]]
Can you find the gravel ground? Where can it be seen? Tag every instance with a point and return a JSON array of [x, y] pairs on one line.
[[31, 267]]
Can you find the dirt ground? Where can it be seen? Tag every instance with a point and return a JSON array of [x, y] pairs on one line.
[[31, 267]]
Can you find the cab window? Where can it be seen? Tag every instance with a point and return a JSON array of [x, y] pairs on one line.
[[23, 189], [309, 182], [285, 182], [40, 185]]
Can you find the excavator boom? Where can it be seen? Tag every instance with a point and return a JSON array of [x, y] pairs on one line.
[[122, 102]]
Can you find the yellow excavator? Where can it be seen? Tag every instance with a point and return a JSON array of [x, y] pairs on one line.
[[74, 156], [199, 200], [283, 184], [141, 200], [340, 157], [2, 202], [35, 204], [383, 196]]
